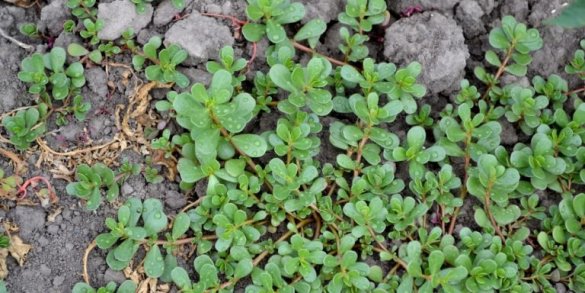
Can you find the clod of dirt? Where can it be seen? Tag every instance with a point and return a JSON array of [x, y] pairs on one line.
[[166, 11], [445, 6], [120, 15], [97, 81], [175, 200], [11, 87], [517, 8], [487, 5], [71, 131], [29, 219], [111, 275], [53, 16], [434, 40], [509, 135], [197, 75], [200, 35], [552, 57], [8, 14], [469, 14], [66, 38], [324, 10], [332, 40]]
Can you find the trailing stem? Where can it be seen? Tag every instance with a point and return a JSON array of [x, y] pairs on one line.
[[500, 71], [263, 255], [487, 209], [463, 190]]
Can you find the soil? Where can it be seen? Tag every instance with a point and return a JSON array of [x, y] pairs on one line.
[[447, 37]]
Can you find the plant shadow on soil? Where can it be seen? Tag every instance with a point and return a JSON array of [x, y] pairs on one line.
[[55, 262]]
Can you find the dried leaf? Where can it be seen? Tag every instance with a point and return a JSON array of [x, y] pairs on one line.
[[3, 267], [18, 249]]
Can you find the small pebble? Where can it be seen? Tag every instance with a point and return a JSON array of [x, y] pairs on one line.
[[53, 229], [58, 281], [45, 270]]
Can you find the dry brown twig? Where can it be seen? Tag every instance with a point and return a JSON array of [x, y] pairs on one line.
[[88, 250]]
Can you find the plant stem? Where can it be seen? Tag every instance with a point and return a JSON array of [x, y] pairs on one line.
[[487, 209], [500, 71], [463, 192], [197, 202], [52, 195], [576, 91], [179, 241], [88, 250], [238, 23], [263, 255], [311, 51], [360, 149], [15, 41]]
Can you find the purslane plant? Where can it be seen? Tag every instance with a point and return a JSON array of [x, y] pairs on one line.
[[24, 127], [48, 76], [165, 62], [379, 212]]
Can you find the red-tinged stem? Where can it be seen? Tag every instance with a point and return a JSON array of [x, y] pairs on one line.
[[252, 58], [22, 189], [500, 71], [577, 91], [238, 23], [309, 50], [235, 21]]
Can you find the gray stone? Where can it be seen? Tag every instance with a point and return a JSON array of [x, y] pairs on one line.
[[29, 219], [53, 229], [560, 288], [166, 11], [53, 16], [324, 10], [58, 281], [120, 15], [469, 14], [127, 189], [71, 131], [45, 270], [201, 36], [144, 36], [509, 135], [66, 38], [435, 41], [111, 275]]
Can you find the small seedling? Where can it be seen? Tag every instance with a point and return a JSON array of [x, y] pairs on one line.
[[127, 286], [91, 181], [24, 127], [48, 76], [165, 62]]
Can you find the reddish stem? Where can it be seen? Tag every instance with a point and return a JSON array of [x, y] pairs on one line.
[[253, 57], [236, 22], [576, 91], [22, 189]]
